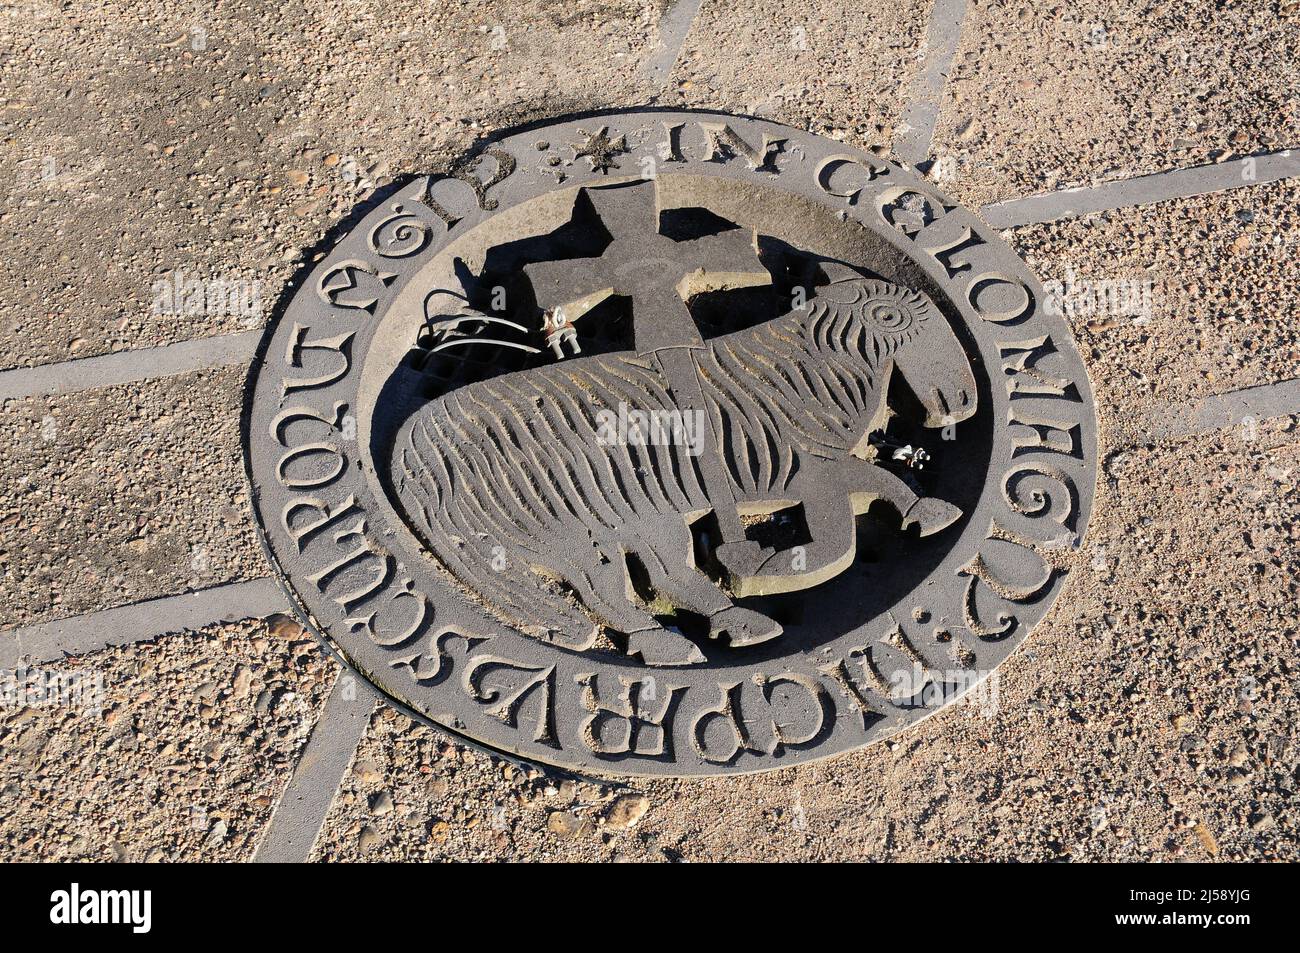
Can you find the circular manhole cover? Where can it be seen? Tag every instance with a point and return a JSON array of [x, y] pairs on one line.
[[671, 443]]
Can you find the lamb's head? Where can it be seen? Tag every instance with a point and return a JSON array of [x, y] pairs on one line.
[[903, 328]]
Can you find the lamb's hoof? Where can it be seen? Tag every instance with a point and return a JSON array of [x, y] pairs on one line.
[[931, 514], [664, 647], [742, 627], [741, 559]]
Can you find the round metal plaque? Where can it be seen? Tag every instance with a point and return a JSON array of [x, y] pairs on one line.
[[671, 443]]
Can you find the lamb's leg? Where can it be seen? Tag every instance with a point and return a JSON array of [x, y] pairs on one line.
[[609, 598], [930, 514], [603, 589], [832, 499], [829, 515], [681, 584]]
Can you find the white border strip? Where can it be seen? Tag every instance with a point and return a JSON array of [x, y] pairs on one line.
[[1229, 409], [674, 26]]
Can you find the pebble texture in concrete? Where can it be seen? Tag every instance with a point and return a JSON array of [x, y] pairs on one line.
[[1210, 309], [121, 494], [184, 758], [1046, 96], [839, 68]]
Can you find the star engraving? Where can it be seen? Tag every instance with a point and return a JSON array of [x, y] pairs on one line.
[[600, 150]]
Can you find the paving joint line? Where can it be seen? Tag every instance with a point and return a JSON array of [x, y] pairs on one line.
[[299, 815], [1206, 414], [674, 26], [129, 366], [916, 129], [140, 621], [1190, 182]]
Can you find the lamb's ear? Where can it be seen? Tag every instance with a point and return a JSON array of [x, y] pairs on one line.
[[836, 271], [843, 283]]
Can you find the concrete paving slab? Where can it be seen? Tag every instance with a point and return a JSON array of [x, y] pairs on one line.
[[839, 68], [137, 198], [121, 494], [165, 751], [1177, 301], [1045, 96]]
